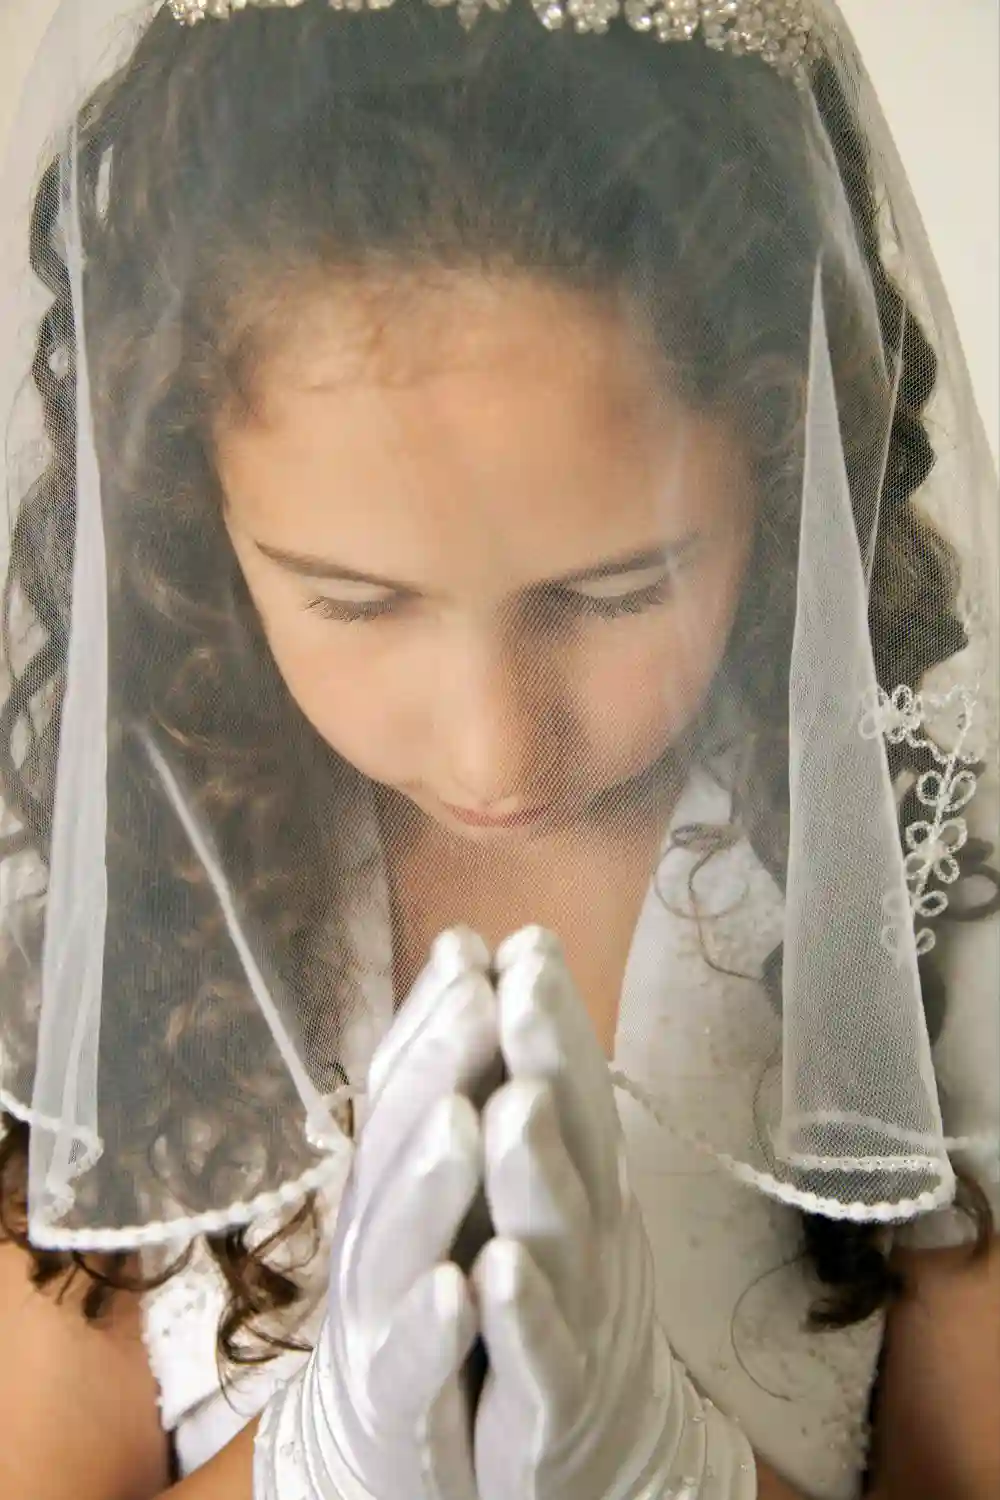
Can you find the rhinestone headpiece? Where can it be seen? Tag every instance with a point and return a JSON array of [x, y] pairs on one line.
[[781, 32]]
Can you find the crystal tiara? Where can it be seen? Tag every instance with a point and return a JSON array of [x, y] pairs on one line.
[[783, 33]]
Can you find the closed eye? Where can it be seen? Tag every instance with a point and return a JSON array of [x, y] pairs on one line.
[[605, 597], [354, 612], [602, 606]]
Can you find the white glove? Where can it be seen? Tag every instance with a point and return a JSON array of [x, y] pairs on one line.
[[584, 1399], [380, 1412]]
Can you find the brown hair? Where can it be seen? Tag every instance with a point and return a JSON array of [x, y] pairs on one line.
[[673, 174]]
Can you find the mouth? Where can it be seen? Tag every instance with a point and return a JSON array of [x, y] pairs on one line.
[[522, 819]]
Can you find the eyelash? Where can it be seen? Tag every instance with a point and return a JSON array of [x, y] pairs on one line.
[[351, 614], [581, 605], [636, 603]]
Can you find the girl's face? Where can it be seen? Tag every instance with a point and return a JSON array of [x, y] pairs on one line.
[[496, 564]]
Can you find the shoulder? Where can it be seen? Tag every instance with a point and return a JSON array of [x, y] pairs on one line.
[[201, 1405], [941, 1337], [88, 1381]]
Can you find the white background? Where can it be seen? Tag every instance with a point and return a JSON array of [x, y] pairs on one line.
[[936, 66]]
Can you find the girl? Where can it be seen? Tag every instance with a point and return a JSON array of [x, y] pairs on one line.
[[510, 470]]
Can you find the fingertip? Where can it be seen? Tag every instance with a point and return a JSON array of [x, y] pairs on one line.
[[529, 1035], [449, 1017], [525, 943], [532, 1351], [427, 1339], [458, 950], [542, 1021], [473, 1003], [500, 1272], [451, 1133], [452, 1300], [455, 1314], [514, 1114]]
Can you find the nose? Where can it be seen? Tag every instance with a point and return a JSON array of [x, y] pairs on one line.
[[503, 722]]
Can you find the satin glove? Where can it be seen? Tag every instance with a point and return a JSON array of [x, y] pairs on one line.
[[584, 1399], [380, 1411]]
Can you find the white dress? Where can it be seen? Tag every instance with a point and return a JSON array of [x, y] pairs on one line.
[[733, 1292]]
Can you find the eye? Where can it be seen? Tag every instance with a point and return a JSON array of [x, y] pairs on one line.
[[353, 612], [614, 606], [620, 594]]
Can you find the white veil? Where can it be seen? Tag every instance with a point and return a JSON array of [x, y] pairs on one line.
[[180, 1013]]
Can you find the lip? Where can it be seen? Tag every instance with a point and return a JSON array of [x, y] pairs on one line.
[[509, 820]]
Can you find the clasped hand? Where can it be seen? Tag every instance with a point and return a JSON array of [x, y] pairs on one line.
[[575, 1401]]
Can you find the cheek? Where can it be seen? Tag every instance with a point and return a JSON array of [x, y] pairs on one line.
[[358, 715], [634, 701], [349, 693], [643, 684]]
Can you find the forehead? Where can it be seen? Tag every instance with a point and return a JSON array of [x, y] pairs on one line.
[[503, 429]]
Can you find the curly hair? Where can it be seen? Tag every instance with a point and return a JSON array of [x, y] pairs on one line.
[[676, 176]]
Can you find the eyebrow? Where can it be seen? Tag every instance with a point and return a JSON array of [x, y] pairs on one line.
[[305, 565]]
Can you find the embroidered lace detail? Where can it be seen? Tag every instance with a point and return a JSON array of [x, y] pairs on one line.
[[931, 843]]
